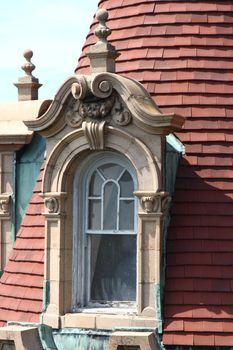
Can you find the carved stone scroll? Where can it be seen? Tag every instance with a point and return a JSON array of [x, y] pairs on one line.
[[94, 132]]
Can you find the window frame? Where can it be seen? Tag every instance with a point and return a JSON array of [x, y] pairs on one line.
[[80, 296]]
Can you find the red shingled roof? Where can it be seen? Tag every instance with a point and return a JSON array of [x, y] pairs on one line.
[[21, 285], [182, 52]]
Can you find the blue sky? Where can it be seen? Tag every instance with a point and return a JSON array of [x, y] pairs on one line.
[[54, 30]]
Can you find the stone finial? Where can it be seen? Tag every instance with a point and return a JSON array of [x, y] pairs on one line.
[[102, 55], [28, 66], [102, 31], [28, 85]]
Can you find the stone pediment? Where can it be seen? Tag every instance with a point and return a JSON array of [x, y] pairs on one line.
[[104, 97]]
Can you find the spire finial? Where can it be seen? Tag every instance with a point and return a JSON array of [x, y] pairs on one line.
[[102, 55], [28, 66], [102, 31], [28, 85]]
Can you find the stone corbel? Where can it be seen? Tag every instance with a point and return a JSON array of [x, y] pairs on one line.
[[54, 204], [5, 204], [153, 202], [94, 132], [133, 340]]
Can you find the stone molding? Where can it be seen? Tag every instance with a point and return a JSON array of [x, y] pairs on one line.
[[117, 140]]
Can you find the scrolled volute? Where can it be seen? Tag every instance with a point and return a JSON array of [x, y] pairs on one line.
[[101, 86], [80, 88]]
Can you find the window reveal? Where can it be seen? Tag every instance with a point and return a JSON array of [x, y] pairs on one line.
[[111, 238]]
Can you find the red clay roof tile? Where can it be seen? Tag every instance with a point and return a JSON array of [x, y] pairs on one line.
[[21, 285]]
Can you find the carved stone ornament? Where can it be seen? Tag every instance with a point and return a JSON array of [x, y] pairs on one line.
[[149, 204], [96, 109], [52, 205], [121, 115], [72, 116], [96, 101], [5, 204], [94, 132], [154, 202]]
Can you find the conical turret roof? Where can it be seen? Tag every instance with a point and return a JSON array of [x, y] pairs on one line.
[[182, 52]]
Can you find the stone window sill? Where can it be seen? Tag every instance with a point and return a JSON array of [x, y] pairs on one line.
[[106, 321]]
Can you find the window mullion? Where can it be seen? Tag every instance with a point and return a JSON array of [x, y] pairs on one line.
[[101, 175], [118, 206], [102, 206], [120, 175]]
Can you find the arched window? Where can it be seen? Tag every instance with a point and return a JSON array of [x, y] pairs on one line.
[[106, 239]]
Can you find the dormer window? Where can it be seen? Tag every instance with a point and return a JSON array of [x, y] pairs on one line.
[[105, 141], [105, 234]]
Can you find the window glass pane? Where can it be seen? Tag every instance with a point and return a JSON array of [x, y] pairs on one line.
[[111, 171], [110, 206], [126, 221], [95, 185], [126, 184], [110, 279], [94, 214]]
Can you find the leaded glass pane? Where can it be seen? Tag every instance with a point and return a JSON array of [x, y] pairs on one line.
[[113, 268], [110, 206], [111, 171], [126, 221], [95, 185], [126, 184], [94, 214]]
